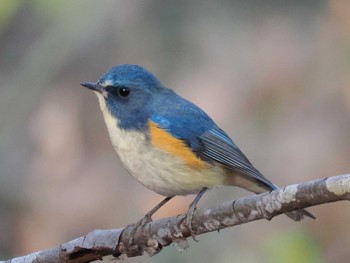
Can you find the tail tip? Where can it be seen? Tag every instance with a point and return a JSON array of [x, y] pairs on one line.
[[300, 214]]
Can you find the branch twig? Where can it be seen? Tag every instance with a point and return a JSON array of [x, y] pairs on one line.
[[157, 234]]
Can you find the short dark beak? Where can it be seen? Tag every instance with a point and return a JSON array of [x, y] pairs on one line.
[[92, 86]]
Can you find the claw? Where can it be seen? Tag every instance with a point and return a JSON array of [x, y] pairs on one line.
[[191, 211], [189, 217], [143, 221]]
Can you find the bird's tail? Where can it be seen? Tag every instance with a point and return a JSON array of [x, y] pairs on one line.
[[300, 214], [262, 185]]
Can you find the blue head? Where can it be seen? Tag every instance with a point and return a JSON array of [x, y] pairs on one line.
[[132, 76], [129, 92]]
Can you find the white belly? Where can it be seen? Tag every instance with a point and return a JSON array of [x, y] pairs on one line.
[[156, 169]]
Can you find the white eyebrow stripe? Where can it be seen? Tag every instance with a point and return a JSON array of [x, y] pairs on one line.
[[106, 83]]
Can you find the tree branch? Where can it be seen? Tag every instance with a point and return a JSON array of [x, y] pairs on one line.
[[157, 234]]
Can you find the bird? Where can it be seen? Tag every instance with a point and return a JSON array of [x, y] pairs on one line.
[[169, 144]]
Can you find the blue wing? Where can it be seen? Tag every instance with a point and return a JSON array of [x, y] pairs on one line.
[[216, 145], [192, 125]]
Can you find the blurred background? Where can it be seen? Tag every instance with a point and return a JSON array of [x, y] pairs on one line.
[[273, 74]]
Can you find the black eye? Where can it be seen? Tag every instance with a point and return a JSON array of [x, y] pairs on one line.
[[118, 92], [123, 92]]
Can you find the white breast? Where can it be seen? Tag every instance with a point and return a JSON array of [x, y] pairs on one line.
[[155, 169]]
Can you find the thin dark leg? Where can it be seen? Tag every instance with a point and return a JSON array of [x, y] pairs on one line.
[[157, 207], [198, 197], [192, 209], [147, 218]]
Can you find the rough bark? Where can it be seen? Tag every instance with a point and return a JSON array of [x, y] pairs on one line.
[[157, 234]]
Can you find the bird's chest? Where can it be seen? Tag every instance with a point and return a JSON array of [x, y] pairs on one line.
[[149, 166], [130, 145]]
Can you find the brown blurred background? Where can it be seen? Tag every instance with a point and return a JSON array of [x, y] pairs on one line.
[[273, 74]]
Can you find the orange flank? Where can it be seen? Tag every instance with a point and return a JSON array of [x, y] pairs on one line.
[[164, 141]]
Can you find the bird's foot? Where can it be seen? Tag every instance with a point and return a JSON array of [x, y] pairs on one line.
[[191, 211], [143, 221], [188, 220], [139, 224]]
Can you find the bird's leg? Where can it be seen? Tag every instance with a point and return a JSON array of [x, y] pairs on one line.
[[147, 218], [156, 208], [192, 209]]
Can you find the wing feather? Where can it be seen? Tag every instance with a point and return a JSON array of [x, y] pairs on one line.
[[216, 145]]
